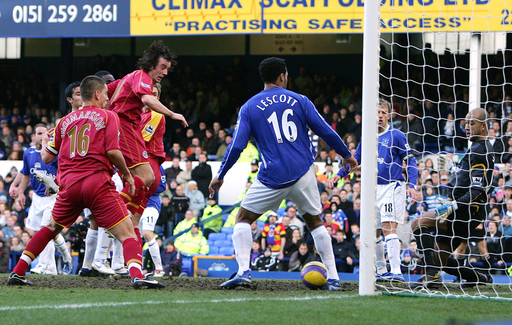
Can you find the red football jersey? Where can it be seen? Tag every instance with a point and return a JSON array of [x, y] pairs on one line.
[[126, 99], [82, 139], [153, 130]]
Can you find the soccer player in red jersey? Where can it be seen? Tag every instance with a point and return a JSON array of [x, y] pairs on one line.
[[129, 95], [88, 145]]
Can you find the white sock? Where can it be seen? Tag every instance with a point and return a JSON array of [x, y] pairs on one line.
[[242, 241], [91, 240], [323, 244], [154, 250], [102, 246], [117, 256], [380, 263], [45, 256], [393, 248], [50, 257], [60, 243]]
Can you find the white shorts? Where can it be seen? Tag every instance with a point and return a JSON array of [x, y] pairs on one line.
[[391, 203], [40, 211], [118, 181], [149, 218], [259, 198]]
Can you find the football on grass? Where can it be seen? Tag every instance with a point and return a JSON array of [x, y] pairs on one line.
[[314, 275]]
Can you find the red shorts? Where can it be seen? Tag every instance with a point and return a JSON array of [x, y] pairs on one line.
[[132, 143], [96, 192]]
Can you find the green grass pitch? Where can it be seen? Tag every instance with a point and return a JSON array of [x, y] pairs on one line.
[[75, 300]]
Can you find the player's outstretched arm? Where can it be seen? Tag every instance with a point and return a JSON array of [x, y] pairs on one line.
[[117, 159], [153, 103]]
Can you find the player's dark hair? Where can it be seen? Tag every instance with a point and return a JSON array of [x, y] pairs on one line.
[[271, 68], [102, 73], [69, 89], [385, 103], [151, 56], [89, 85]]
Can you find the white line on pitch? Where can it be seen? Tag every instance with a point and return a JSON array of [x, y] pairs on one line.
[[215, 301]]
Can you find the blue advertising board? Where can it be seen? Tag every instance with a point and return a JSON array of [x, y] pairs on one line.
[[64, 18]]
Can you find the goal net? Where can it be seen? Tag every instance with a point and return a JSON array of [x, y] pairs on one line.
[[438, 61]]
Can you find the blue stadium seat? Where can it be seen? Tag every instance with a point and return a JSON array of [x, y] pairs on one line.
[[227, 230], [261, 224], [223, 243], [217, 236], [213, 250], [226, 251], [211, 242], [225, 217], [187, 265], [229, 237]]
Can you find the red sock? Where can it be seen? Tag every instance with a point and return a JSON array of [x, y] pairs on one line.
[[132, 251], [35, 246], [137, 233]]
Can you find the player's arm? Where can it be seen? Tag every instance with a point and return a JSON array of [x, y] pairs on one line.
[[13, 189], [405, 153], [25, 180], [153, 103], [50, 149], [234, 149], [116, 158]]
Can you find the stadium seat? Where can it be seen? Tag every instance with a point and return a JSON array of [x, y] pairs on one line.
[[225, 217], [214, 250], [187, 265], [211, 242], [227, 230], [223, 243], [217, 236], [226, 251], [229, 237]]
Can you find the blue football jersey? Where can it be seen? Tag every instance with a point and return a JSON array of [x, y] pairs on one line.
[[32, 161], [154, 200], [393, 150], [279, 121]]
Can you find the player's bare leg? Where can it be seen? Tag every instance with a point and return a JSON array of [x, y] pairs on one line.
[[323, 245]]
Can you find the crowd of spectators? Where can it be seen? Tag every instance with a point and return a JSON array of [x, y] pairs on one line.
[[430, 112]]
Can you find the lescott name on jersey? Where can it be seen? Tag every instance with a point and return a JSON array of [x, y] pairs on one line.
[[268, 101]]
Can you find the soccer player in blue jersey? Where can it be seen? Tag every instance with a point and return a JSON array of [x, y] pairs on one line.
[[149, 219], [391, 191], [279, 120], [41, 208]]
